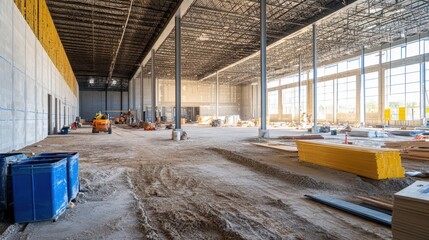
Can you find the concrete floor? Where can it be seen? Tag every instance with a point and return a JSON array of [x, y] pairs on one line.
[[141, 185]]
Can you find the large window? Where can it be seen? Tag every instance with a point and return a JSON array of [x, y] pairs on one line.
[[427, 88], [290, 101], [347, 98], [273, 102], [372, 59], [348, 65], [272, 84], [403, 90], [371, 95], [325, 100]]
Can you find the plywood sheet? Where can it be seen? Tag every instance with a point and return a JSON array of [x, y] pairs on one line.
[[278, 146]]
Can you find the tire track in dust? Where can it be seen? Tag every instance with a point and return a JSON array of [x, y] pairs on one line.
[[295, 179], [208, 212]]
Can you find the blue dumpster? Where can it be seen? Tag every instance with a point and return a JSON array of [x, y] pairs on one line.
[[72, 170], [6, 159], [39, 189]]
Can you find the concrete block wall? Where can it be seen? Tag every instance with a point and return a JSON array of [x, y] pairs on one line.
[[194, 94], [93, 101], [250, 101], [27, 77], [203, 95]]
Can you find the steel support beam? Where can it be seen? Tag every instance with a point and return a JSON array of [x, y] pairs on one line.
[[142, 95], [299, 86], [425, 97], [362, 102], [217, 95], [314, 79], [153, 85], [105, 98], [122, 96], [263, 132], [178, 74], [185, 5]]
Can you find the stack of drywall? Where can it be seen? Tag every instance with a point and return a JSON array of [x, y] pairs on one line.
[[363, 133], [375, 163], [411, 212], [371, 133]]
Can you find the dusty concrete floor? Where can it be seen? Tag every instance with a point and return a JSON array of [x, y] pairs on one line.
[[215, 185]]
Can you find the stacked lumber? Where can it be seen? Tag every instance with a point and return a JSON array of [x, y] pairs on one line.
[[413, 150], [278, 146], [310, 136], [411, 212], [364, 133], [376, 202], [375, 163]]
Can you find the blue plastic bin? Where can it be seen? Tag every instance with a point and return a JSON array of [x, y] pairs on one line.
[[65, 130], [72, 170], [39, 189], [6, 159]]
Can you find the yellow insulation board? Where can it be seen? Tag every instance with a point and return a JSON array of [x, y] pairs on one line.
[[38, 17], [375, 163]]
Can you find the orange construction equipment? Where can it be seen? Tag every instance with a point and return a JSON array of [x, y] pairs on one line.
[[101, 124]]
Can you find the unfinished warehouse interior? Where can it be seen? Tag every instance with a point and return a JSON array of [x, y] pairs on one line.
[[214, 119]]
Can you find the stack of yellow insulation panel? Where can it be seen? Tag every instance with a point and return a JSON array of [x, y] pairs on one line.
[[37, 15], [375, 163]]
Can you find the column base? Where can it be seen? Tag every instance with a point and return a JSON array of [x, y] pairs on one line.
[[176, 134], [263, 133], [314, 130]]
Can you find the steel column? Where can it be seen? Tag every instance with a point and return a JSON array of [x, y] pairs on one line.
[[142, 94], [153, 95], [263, 11], [314, 79], [122, 92], [178, 73], [362, 101], [425, 97], [217, 95], [105, 98], [299, 87]]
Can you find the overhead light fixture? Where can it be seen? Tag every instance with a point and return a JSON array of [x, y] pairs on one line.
[[370, 27], [91, 81], [374, 10], [114, 82], [399, 10]]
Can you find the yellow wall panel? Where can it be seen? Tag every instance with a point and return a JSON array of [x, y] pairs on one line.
[[37, 15], [21, 6]]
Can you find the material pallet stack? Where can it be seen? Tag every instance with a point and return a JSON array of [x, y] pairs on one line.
[[375, 163], [413, 150], [411, 212]]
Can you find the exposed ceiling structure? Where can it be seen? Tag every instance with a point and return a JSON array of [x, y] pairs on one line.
[[216, 34], [91, 32], [369, 24]]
